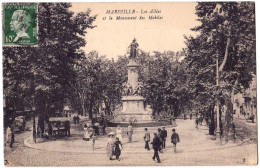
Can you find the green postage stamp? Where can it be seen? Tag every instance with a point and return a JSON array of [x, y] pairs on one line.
[[19, 24]]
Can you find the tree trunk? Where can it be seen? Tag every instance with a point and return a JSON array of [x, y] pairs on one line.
[[91, 105], [107, 110]]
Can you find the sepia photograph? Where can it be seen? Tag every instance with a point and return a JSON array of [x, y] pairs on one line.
[[129, 84]]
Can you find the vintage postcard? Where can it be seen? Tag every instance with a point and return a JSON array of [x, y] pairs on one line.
[[129, 84]]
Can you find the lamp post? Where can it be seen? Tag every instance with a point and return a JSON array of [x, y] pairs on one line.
[[217, 84], [217, 102]]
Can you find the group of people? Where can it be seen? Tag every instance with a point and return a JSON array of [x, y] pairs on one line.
[[114, 146], [55, 127], [102, 124], [159, 141], [129, 133], [114, 142], [76, 119]]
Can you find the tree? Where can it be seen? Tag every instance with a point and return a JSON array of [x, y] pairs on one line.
[[47, 70], [226, 29]]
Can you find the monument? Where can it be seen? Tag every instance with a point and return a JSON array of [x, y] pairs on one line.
[[133, 102]]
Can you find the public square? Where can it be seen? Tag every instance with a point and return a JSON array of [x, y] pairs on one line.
[[196, 147]]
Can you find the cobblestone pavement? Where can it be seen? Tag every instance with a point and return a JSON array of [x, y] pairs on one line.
[[196, 148]]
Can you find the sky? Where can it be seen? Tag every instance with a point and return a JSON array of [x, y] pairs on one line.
[[113, 37]]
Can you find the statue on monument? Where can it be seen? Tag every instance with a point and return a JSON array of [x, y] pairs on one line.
[[133, 49], [138, 89]]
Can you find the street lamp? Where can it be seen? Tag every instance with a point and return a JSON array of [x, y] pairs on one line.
[[217, 84], [217, 102]]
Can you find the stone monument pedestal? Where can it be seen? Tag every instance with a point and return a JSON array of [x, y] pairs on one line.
[[133, 110]]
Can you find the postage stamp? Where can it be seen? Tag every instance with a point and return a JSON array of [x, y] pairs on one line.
[[19, 24]]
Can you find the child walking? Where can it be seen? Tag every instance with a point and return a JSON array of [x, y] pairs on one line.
[[118, 148]]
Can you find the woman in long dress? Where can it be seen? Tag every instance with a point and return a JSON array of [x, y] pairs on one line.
[[86, 136], [110, 145], [119, 133]]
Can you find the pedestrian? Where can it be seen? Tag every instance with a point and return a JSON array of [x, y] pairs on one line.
[[174, 139], [110, 145], [159, 134], [174, 122], [50, 130], [92, 136], [67, 128], [8, 135], [196, 114], [119, 134], [201, 119], [96, 128], [130, 132], [164, 137], [104, 125], [118, 147], [146, 139], [12, 135], [190, 116], [86, 136], [197, 122], [221, 130], [234, 130], [156, 147], [207, 120], [74, 119], [77, 119]]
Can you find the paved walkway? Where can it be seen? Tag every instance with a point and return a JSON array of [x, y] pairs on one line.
[[192, 140], [196, 148]]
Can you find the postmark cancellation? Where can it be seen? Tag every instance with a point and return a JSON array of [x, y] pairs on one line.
[[19, 24]]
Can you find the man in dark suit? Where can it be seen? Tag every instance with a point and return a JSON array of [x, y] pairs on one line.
[[67, 128], [175, 139], [164, 136], [156, 147]]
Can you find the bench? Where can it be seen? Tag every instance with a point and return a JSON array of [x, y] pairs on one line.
[[59, 132]]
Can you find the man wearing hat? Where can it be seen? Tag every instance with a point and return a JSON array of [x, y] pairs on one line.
[[159, 134], [164, 136], [175, 139], [156, 147], [146, 139]]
